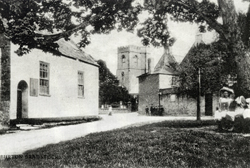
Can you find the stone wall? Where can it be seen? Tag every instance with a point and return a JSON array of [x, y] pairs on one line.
[[148, 91], [184, 105]]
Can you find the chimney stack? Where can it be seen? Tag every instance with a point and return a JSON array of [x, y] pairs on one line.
[[150, 65]]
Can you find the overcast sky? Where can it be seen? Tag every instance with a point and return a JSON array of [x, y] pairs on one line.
[[105, 46]]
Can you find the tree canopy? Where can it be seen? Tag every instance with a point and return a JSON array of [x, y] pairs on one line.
[[110, 91], [39, 23]]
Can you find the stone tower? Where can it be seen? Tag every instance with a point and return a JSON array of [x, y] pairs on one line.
[[133, 61]]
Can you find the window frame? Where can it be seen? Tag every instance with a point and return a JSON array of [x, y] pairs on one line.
[[135, 59], [43, 78], [174, 81], [80, 84], [123, 59], [123, 76]]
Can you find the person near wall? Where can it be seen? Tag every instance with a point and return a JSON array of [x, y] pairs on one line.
[[151, 109], [225, 101], [147, 110], [110, 110]]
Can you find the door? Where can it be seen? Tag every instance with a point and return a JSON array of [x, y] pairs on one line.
[[209, 104], [22, 100], [19, 104]]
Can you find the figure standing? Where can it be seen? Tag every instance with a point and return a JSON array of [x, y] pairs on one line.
[[147, 110], [110, 110]]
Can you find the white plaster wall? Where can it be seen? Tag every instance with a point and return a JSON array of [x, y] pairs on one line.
[[63, 100], [165, 81]]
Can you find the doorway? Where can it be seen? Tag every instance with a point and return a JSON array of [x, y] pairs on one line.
[[22, 100], [209, 104]]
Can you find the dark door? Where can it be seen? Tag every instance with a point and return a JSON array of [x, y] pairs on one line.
[[19, 104], [209, 104]]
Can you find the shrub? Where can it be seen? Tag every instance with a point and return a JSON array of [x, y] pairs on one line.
[[238, 123], [4, 113]]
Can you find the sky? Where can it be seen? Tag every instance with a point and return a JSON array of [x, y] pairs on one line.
[[105, 46]]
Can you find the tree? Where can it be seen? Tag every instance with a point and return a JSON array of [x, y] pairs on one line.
[[39, 23], [110, 91], [23, 20], [233, 49], [197, 58]]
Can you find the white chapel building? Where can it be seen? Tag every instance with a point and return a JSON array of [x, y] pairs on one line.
[[42, 85]]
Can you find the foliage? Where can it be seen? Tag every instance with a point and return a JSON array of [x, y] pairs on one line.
[[207, 58], [39, 23], [4, 113], [110, 91], [238, 125], [166, 144]]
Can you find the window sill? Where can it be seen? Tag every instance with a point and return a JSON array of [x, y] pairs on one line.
[[46, 95]]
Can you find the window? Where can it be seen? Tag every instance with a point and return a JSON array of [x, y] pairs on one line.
[[122, 77], [44, 78], [123, 59], [174, 81], [172, 97], [80, 84], [136, 60]]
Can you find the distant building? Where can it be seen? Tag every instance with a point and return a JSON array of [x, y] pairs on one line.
[[161, 87], [163, 80], [41, 85], [132, 62]]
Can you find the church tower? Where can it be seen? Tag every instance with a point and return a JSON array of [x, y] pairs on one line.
[[132, 62]]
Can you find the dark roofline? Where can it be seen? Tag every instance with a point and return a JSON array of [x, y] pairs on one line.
[[79, 60], [145, 74], [166, 74]]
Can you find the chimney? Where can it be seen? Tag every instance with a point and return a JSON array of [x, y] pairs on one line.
[[150, 65]]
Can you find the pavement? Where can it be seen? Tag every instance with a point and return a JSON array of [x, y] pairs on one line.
[[19, 142]]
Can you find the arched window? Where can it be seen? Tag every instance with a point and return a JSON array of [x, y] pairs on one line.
[[123, 59], [136, 60], [122, 74]]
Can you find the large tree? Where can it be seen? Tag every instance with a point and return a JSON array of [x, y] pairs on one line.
[[109, 89], [233, 48], [23, 21], [39, 23]]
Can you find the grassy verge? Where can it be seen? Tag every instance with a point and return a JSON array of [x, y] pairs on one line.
[[166, 144]]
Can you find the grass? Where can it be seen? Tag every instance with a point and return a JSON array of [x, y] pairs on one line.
[[165, 144]]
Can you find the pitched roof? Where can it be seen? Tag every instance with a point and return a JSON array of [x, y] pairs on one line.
[[167, 64], [70, 49]]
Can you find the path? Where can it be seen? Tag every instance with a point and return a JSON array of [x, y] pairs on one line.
[[19, 142]]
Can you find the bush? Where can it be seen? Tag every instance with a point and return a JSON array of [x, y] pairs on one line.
[[156, 111], [227, 123], [4, 113], [239, 125]]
